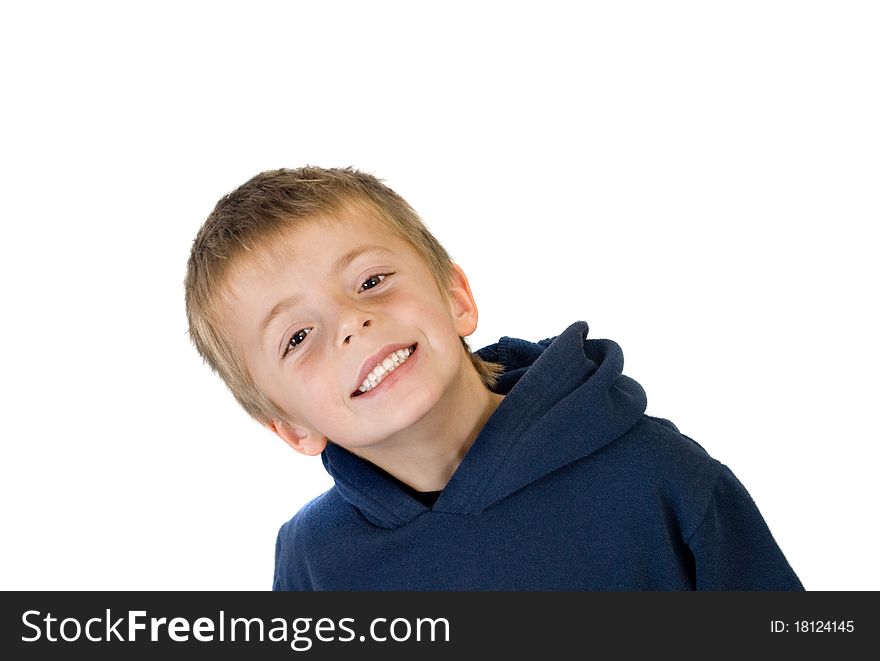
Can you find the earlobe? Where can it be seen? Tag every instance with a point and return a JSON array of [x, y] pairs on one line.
[[462, 304], [300, 439]]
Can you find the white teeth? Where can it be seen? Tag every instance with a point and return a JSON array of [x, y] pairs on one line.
[[384, 368]]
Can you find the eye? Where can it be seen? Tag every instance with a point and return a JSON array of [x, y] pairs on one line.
[[374, 280], [295, 340]]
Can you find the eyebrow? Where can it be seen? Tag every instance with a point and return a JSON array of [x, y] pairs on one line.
[[337, 268]]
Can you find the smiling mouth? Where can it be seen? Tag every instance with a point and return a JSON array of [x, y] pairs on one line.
[[381, 371]]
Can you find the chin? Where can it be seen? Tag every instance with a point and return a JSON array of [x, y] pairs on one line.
[[414, 408]]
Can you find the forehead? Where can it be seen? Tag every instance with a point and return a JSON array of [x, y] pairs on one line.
[[316, 246], [313, 237]]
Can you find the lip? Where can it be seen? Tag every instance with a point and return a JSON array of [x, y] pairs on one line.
[[374, 360]]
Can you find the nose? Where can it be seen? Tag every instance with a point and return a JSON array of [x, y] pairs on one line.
[[352, 321]]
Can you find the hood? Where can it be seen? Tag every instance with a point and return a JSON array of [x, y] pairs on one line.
[[565, 398]]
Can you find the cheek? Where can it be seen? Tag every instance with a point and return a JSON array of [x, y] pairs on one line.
[[422, 310], [300, 390], [309, 383]]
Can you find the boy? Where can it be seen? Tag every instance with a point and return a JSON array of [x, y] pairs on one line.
[[338, 322]]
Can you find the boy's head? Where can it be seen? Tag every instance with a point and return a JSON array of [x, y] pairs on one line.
[[299, 278]]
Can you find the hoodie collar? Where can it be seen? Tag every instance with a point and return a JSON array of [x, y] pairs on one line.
[[565, 397]]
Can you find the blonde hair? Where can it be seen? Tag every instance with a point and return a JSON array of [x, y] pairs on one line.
[[265, 207]]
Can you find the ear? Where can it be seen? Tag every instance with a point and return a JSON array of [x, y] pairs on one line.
[[462, 305], [300, 439]]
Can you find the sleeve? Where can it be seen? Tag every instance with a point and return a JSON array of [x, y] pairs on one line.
[[732, 546]]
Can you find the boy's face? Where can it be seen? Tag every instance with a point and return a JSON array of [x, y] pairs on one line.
[[338, 298]]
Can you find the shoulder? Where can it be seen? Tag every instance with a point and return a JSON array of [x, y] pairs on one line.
[[315, 518], [312, 527], [675, 468], [659, 441]]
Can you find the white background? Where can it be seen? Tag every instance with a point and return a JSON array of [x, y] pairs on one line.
[[696, 180]]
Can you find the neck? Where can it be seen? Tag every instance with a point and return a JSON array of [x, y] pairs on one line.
[[432, 450]]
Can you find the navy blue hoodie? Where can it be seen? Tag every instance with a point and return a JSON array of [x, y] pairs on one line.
[[569, 486]]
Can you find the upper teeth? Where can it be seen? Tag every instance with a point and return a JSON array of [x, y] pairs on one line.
[[388, 365]]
